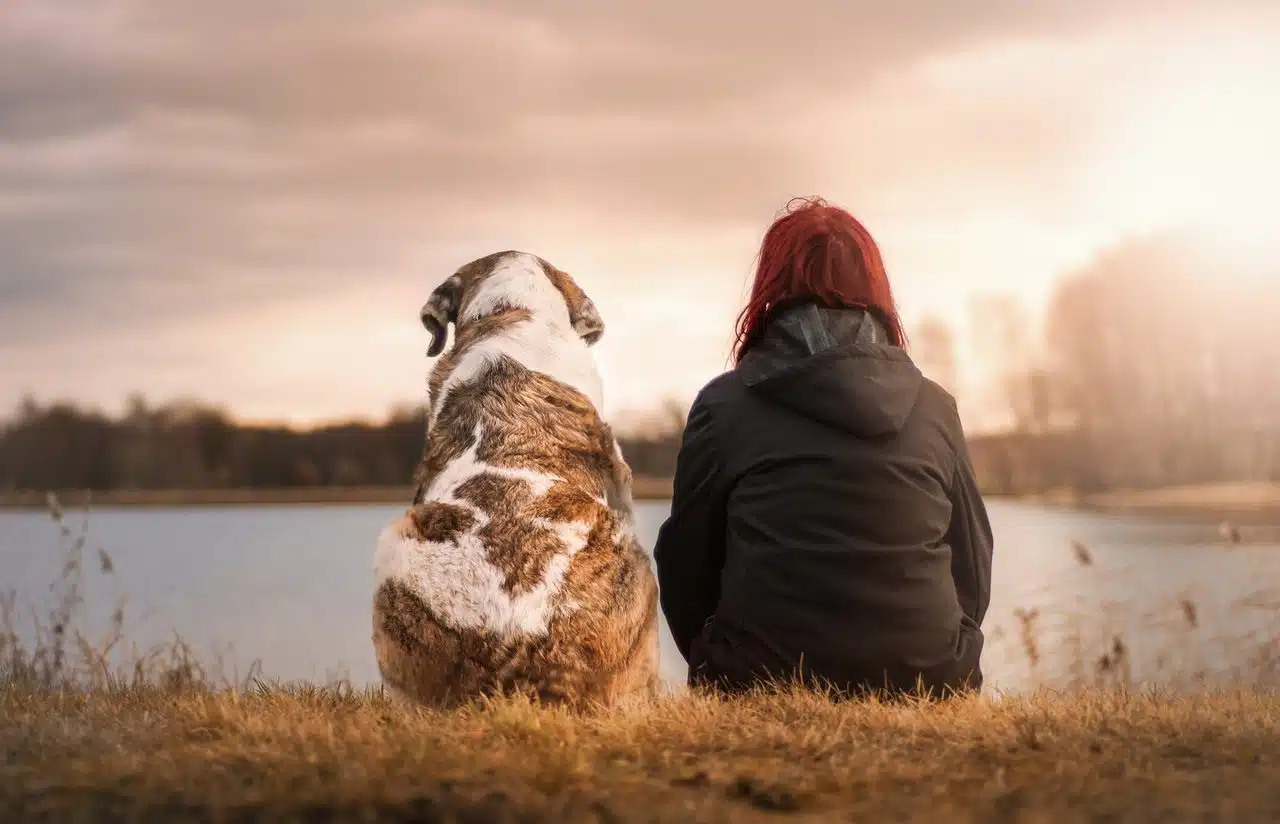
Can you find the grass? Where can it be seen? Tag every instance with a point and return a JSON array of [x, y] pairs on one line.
[[334, 755], [94, 730]]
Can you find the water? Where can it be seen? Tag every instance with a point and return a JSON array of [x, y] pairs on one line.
[[291, 587]]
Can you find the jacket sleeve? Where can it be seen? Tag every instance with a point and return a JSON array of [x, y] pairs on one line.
[[971, 540], [690, 547]]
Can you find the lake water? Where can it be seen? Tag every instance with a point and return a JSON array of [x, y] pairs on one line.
[[291, 587]]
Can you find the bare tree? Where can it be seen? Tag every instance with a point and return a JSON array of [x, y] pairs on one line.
[[933, 346], [1163, 355], [1005, 341]]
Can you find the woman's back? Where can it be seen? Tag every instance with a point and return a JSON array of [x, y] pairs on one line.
[[825, 518]]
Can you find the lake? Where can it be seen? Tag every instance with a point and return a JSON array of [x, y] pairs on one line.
[[291, 587]]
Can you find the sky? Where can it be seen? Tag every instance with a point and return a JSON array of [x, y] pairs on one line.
[[248, 201]]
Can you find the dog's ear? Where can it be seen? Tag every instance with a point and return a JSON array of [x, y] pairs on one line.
[[583, 314], [587, 321], [441, 309]]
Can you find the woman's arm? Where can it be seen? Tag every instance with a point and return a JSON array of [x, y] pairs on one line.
[[690, 546], [970, 538]]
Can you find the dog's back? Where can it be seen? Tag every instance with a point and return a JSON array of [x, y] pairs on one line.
[[517, 568]]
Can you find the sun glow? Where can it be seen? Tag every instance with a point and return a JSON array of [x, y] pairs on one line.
[[1199, 151]]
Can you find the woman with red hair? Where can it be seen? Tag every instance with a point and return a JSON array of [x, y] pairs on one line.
[[825, 521]]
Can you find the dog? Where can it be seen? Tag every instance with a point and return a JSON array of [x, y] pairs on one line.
[[516, 569]]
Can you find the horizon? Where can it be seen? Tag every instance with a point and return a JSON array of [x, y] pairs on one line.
[[256, 226]]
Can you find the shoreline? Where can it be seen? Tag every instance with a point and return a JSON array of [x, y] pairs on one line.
[[643, 489], [1252, 504], [1256, 503]]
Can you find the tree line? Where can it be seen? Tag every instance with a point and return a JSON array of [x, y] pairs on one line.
[[1160, 366], [1154, 365], [189, 445]]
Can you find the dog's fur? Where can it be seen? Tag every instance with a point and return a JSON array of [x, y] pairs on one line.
[[517, 568]]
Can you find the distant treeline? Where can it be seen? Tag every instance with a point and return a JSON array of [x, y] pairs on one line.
[[189, 445], [1156, 366]]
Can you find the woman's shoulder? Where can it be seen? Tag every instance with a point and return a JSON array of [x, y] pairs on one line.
[[727, 387], [937, 397], [939, 405]]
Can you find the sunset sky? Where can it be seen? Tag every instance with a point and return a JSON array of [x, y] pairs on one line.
[[247, 201]]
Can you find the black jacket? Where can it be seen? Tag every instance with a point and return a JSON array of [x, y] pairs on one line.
[[825, 520]]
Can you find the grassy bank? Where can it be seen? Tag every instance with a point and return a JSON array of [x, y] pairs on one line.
[[314, 755]]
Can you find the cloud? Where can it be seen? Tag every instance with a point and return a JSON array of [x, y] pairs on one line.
[[171, 163]]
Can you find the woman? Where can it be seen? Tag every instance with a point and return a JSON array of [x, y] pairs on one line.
[[825, 520]]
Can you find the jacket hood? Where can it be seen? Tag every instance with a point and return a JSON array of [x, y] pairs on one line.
[[836, 366]]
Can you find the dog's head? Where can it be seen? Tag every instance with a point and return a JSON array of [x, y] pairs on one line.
[[506, 281]]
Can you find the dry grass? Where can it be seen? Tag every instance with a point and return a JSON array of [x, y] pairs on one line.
[[313, 755], [60, 654], [93, 731]]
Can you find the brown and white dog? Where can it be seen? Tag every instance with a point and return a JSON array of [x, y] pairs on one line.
[[517, 567]]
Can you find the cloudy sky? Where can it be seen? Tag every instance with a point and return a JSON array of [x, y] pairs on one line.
[[247, 201]]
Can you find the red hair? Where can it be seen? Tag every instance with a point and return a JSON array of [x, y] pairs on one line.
[[821, 252]]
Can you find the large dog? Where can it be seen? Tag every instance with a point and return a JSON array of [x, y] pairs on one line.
[[517, 568]]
